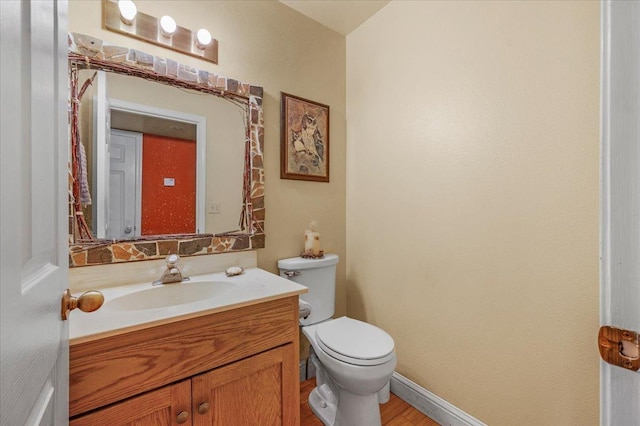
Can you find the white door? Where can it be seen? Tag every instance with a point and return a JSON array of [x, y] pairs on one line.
[[125, 183], [34, 212], [620, 202]]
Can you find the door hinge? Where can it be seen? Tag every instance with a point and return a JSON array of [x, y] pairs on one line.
[[620, 347]]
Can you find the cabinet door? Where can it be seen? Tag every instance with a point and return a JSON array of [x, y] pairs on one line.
[[167, 406], [259, 390]]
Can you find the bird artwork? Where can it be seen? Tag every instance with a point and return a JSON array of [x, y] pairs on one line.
[[306, 128], [311, 136], [308, 146]]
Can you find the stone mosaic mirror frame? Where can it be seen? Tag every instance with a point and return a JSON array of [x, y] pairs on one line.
[[86, 52]]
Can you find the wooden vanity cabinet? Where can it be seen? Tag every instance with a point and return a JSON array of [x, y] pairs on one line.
[[238, 367]]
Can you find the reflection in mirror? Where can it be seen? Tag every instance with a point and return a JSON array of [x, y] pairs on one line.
[[196, 127], [168, 161]]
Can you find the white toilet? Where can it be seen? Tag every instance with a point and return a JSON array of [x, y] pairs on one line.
[[356, 359]]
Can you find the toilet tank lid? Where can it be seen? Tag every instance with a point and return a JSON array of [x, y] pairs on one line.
[[297, 263]]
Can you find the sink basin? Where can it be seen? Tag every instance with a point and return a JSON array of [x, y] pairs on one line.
[[168, 295]]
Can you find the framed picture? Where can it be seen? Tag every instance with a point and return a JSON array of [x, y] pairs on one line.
[[304, 149]]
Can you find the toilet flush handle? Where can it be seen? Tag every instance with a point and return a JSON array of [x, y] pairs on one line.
[[291, 273]]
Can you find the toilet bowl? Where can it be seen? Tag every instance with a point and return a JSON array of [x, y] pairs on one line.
[[354, 360]]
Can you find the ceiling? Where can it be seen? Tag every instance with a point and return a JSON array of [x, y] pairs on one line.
[[141, 123], [342, 16]]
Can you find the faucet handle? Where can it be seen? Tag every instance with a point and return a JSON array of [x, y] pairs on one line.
[[172, 260]]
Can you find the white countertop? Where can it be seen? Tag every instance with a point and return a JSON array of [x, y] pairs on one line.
[[253, 286]]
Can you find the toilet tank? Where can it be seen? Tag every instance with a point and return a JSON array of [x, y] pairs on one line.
[[319, 275]]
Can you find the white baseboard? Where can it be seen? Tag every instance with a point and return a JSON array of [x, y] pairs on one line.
[[430, 404]]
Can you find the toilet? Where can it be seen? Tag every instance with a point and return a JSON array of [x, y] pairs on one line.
[[354, 360]]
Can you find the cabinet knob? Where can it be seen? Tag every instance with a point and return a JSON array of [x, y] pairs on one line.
[[182, 417], [203, 408]]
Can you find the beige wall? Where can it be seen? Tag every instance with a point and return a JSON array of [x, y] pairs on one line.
[[267, 44], [472, 201]]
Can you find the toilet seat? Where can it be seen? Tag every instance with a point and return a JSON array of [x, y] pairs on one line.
[[355, 342]]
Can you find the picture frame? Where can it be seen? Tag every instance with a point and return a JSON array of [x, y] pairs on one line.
[[304, 148]]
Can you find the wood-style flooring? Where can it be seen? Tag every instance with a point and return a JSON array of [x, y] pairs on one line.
[[396, 412]]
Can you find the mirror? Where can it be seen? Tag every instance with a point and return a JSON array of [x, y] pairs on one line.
[[166, 160], [173, 162]]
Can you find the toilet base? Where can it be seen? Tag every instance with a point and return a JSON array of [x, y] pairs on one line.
[[355, 410], [325, 411]]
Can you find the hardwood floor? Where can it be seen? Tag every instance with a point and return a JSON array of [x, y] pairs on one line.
[[396, 412]]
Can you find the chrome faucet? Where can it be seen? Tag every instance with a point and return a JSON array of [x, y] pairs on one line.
[[172, 274]]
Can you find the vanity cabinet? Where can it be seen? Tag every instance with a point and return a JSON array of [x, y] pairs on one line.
[[236, 367]]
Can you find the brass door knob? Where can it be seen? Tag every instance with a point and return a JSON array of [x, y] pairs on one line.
[[183, 416], [88, 301], [203, 408]]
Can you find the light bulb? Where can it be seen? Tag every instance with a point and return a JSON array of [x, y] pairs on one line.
[[167, 26], [203, 38], [128, 11]]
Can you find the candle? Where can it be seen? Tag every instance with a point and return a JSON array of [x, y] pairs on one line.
[[311, 242]]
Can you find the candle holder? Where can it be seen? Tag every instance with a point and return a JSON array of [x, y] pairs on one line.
[[309, 255]]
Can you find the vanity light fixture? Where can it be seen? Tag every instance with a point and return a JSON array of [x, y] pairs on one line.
[[167, 26], [128, 11], [123, 17], [203, 38]]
